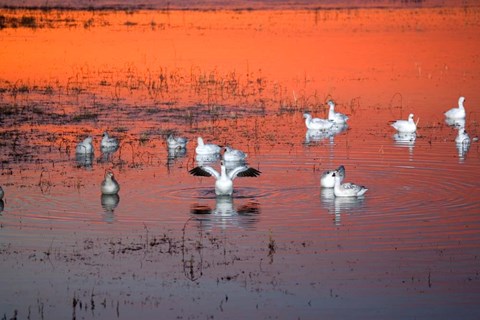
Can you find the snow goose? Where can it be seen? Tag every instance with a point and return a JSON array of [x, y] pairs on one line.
[[347, 189], [233, 155], [224, 180], [405, 126], [328, 178], [110, 186], [317, 123], [457, 113], [336, 117], [108, 143], [176, 142], [85, 147], [206, 148]]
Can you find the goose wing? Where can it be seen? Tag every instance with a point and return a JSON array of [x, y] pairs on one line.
[[243, 171], [204, 171]]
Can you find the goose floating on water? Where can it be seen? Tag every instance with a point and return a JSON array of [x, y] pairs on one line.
[[405, 126], [457, 113], [206, 148], [110, 186], [347, 189], [233, 155], [317, 123], [108, 142], [224, 180], [85, 147], [336, 117], [176, 142], [328, 177]]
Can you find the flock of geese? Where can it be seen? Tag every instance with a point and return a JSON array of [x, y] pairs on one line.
[[233, 161]]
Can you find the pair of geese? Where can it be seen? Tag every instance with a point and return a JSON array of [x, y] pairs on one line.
[[86, 146], [454, 116]]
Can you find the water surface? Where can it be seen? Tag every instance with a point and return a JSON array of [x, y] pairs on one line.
[[281, 247]]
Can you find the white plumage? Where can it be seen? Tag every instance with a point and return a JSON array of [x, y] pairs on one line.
[[457, 113], [85, 147], [336, 117], [347, 189], [317, 123], [224, 180], [176, 142], [108, 142], [109, 184], [206, 148], [233, 155], [328, 177], [405, 126]]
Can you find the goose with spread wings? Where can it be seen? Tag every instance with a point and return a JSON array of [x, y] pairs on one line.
[[224, 179]]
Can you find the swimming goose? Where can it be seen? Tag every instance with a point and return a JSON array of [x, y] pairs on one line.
[[85, 147], [109, 184], [347, 189], [233, 155], [108, 142], [336, 117], [405, 126], [208, 148], [224, 180], [328, 179], [462, 137], [457, 113], [317, 123], [176, 142]]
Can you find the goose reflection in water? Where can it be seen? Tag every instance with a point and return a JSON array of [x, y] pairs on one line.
[[226, 214], [339, 205], [405, 139], [84, 160], [109, 204], [457, 123], [2, 206], [320, 135]]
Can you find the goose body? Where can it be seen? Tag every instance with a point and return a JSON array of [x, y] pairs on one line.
[[110, 186], [336, 117], [85, 147], [405, 126], [206, 148], [176, 142], [108, 142], [233, 155], [317, 123], [328, 177], [224, 180], [457, 113], [347, 189]]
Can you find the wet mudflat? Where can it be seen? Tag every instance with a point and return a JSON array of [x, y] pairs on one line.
[[281, 247]]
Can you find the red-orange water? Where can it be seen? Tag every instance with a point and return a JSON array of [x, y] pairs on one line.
[[282, 247]]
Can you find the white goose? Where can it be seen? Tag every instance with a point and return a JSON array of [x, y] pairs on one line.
[[462, 137], [110, 186], [336, 117], [328, 179], [347, 189], [206, 148], [317, 123], [176, 142], [85, 147], [233, 155], [108, 142], [457, 113], [405, 126], [224, 180]]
